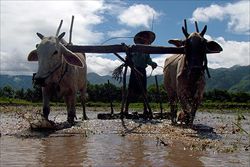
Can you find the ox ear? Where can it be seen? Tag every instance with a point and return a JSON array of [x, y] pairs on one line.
[[213, 46], [176, 42], [71, 58], [33, 56]]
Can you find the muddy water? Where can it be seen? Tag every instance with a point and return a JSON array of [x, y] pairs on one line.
[[131, 143]]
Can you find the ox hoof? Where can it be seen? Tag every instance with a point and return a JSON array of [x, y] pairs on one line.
[[71, 121], [147, 115], [173, 122], [45, 116], [124, 115], [85, 118]]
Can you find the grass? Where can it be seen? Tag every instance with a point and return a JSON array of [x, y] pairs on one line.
[[134, 106]]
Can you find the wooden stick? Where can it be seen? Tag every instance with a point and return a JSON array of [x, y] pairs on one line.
[[70, 31], [110, 98], [124, 92], [130, 65], [121, 58], [159, 95], [58, 30]]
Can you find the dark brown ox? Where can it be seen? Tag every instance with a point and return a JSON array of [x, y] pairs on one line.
[[184, 74], [60, 72]]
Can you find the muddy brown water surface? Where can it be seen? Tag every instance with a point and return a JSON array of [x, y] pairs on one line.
[[129, 143]]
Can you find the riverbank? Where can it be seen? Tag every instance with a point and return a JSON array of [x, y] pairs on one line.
[[105, 142]]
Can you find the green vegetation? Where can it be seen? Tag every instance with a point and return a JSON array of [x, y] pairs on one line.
[[100, 95]]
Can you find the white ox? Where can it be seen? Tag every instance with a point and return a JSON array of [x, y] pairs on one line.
[[60, 71], [184, 74]]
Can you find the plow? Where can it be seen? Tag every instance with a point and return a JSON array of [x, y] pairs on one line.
[[127, 49]]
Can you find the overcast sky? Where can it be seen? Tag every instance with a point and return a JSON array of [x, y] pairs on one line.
[[97, 21]]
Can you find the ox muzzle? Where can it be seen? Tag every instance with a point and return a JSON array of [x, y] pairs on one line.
[[41, 80], [195, 73], [37, 80]]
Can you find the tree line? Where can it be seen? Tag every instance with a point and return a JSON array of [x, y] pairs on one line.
[[106, 92]]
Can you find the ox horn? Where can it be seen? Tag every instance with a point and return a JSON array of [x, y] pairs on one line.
[[203, 31], [184, 29], [185, 24], [185, 32], [196, 26], [40, 35], [58, 30]]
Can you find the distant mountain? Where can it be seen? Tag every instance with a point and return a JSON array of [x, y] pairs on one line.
[[25, 82], [94, 78], [16, 81], [236, 78]]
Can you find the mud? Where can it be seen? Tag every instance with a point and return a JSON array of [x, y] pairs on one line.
[[124, 143]]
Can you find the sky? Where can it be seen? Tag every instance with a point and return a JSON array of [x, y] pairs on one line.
[[98, 21]]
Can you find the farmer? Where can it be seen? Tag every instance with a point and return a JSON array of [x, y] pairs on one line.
[[138, 80]]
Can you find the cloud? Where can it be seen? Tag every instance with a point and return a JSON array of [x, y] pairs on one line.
[[99, 64], [20, 20], [234, 53], [138, 15], [237, 13], [118, 33]]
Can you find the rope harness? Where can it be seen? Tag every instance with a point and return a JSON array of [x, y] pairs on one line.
[[63, 72]]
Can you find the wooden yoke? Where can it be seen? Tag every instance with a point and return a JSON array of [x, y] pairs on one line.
[[118, 48]]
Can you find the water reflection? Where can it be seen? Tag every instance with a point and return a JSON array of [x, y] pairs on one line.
[[114, 150], [18, 152], [103, 150], [179, 156], [106, 149], [64, 150]]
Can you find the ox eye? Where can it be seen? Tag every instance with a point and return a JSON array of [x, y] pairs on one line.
[[55, 52], [37, 45]]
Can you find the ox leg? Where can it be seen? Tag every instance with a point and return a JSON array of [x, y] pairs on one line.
[[173, 106], [198, 95], [71, 110], [187, 114], [127, 101], [84, 115], [147, 109], [186, 109], [46, 98], [83, 96], [194, 109]]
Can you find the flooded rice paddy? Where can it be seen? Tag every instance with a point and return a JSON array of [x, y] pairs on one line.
[[108, 143]]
